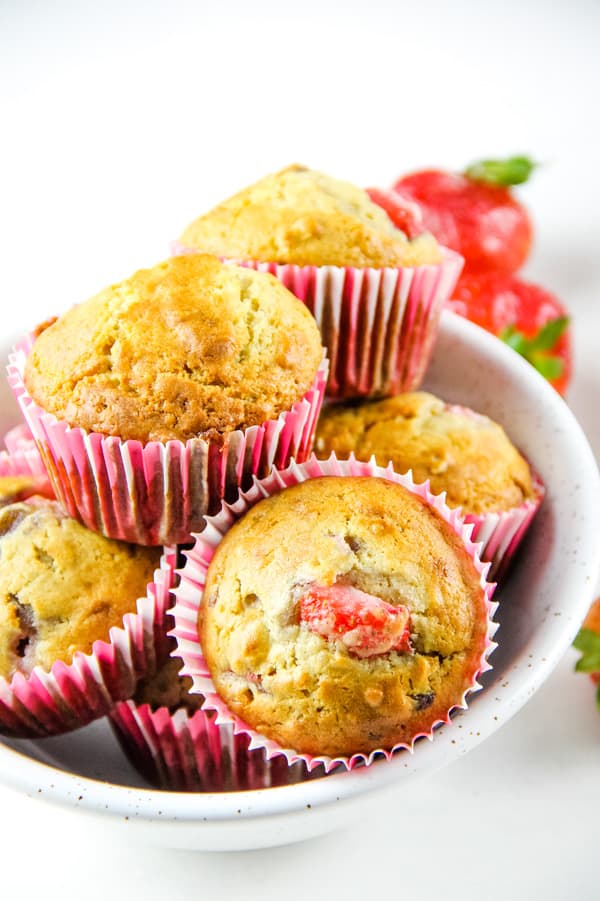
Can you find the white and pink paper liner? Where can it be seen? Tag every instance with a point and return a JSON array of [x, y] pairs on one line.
[[500, 534], [183, 751], [73, 694], [193, 577], [22, 458], [378, 325], [159, 493]]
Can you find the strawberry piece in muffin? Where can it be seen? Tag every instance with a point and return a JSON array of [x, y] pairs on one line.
[[366, 624]]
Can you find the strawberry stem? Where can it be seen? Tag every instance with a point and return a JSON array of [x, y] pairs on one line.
[[536, 350], [502, 173]]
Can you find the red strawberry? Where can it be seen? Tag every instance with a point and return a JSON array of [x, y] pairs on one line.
[[588, 642], [530, 319], [473, 213], [366, 624]]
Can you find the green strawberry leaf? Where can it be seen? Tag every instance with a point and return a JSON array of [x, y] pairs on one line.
[[534, 349], [548, 335], [588, 642], [550, 367], [513, 171], [515, 339]]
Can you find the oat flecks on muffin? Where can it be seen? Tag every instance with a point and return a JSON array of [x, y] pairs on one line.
[[462, 453], [61, 586], [188, 348], [306, 687], [302, 216]]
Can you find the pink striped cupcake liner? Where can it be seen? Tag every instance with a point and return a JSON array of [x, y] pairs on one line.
[[500, 534], [193, 576], [184, 751], [71, 695], [159, 493], [22, 458], [378, 325]]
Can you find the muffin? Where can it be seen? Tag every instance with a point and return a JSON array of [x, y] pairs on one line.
[[460, 452], [73, 637], [177, 746], [304, 217], [164, 393], [345, 615], [375, 294]]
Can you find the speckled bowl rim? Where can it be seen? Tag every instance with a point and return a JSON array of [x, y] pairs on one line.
[[38, 779]]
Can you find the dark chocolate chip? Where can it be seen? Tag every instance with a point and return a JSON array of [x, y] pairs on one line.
[[423, 701]]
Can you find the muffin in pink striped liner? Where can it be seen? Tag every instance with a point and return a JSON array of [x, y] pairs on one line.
[[167, 392], [456, 450], [375, 294], [177, 746], [360, 619], [76, 634]]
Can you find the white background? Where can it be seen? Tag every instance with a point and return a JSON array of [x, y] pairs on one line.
[[119, 123]]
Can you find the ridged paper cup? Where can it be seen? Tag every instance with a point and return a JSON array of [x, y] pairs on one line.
[[193, 576], [183, 751], [378, 325], [159, 493], [500, 534], [22, 458], [71, 695]]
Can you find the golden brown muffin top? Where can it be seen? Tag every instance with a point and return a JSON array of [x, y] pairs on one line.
[[462, 453], [301, 216], [61, 585], [166, 688], [306, 686], [188, 348]]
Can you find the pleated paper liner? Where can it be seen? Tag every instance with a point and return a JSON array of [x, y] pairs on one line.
[[183, 751], [193, 576], [74, 694], [22, 458], [378, 325], [500, 534], [159, 493]]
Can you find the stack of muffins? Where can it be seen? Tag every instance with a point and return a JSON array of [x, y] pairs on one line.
[[327, 610]]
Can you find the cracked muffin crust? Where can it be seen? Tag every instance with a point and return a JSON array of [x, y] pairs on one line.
[[304, 217], [189, 348], [461, 452], [61, 585], [342, 615]]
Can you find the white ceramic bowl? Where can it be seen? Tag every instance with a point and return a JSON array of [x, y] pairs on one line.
[[541, 606]]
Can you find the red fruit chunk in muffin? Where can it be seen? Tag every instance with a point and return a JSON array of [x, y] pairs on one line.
[[363, 622]]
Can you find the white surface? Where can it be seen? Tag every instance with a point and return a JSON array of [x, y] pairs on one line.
[[118, 128]]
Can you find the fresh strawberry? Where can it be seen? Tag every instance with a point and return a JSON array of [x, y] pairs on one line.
[[366, 624], [473, 212], [530, 319], [588, 642]]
